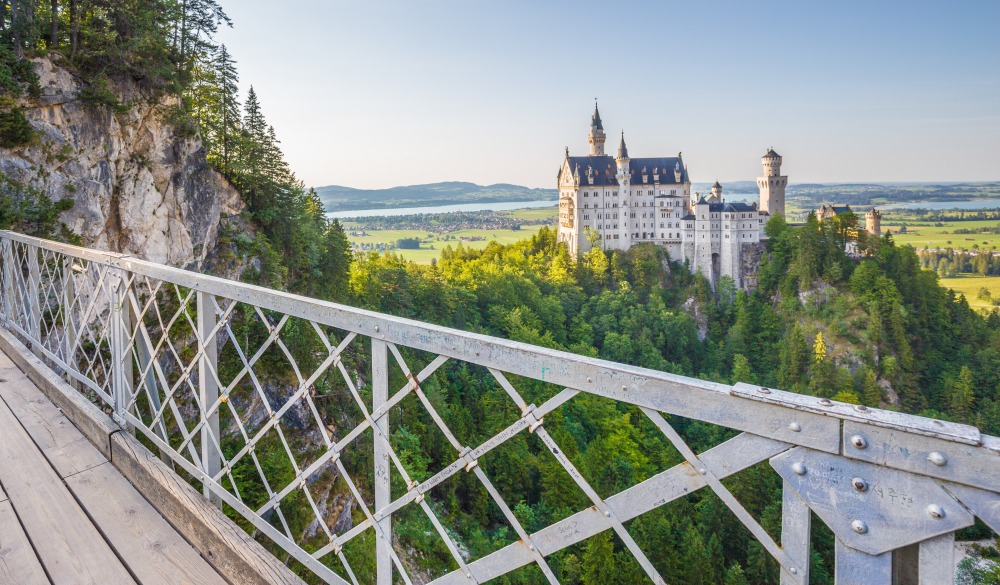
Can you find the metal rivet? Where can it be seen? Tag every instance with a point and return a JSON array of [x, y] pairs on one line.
[[763, 390], [799, 468], [825, 402], [623, 388], [937, 458], [796, 427], [608, 514], [859, 527], [935, 511], [859, 442], [859, 484], [589, 380], [793, 571], [376, 329], [531, 547], [702, 471]]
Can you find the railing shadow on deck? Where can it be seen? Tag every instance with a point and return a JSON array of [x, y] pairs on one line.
[[211, 373]]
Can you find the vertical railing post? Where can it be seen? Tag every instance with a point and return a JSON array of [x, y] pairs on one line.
[[383, 495], [796, 523], [34, 302], [211, 459], [69, 320], [121, 357], [8, 281]]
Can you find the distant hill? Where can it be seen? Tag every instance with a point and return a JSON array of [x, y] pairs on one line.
[[338, 198]]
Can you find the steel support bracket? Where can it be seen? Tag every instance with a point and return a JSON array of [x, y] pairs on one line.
[[870, 508]]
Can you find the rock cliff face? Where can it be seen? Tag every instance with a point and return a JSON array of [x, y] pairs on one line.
[[139, 188]]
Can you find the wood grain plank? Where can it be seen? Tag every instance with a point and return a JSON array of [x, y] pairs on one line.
[[18, 563], [87, 417], [150, 546], [229, 549], [67, 543], [67, 450]]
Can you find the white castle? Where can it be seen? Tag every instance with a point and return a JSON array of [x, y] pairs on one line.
[[619, 202]]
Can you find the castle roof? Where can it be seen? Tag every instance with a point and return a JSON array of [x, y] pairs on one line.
[[717, 185], [603, 169], [622, 149], [771, 154], [837, 209], [736, 207], [595, 120]]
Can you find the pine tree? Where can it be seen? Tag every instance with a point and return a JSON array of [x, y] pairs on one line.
[[961, 395], [819, 349], [599, 560], [735, 576]]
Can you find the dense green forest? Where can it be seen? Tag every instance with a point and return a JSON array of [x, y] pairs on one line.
[[878, 331]]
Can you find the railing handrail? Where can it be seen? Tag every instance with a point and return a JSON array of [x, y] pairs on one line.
[[413, 333], [938, 463]]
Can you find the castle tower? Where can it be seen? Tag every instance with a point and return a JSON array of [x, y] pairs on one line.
[[772, 184], [596, 137], [873, 222], [716, 193], [624, 179]]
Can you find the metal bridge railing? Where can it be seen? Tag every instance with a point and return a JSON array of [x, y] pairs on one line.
[[178, 358]]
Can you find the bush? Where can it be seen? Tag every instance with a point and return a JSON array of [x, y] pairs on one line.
[[15, 129]]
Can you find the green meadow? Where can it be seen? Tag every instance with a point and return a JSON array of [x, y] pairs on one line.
[[930, 236], [970, 286]]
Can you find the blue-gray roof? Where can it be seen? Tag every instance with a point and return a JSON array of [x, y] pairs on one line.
[[605, 170]]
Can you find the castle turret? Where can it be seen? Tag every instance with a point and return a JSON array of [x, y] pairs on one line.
[[716, 193], [772, 184], [596, 137], [873, 222]]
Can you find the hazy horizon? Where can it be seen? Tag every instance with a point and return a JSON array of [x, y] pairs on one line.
[[393, 93]]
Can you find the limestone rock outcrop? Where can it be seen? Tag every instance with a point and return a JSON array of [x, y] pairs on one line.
[[139, 186]]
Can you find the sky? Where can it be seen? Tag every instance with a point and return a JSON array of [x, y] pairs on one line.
[[374, 94]]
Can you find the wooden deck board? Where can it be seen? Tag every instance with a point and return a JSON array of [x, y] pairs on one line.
[[18, 563], [65, 447], [68, 545], [150, 547]]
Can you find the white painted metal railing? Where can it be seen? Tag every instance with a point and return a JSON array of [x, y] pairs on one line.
[[146, 341]]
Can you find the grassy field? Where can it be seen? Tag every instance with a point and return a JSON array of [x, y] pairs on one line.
[[970, 285], [920, 236]]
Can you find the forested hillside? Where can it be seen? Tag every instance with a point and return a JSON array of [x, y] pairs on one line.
[[877, 330]]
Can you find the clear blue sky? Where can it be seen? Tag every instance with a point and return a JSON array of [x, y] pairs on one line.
[[369, 93]]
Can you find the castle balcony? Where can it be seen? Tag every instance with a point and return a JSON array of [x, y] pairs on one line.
[[144, 412]]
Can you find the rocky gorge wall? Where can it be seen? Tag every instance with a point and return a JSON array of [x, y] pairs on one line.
[[139, 186]]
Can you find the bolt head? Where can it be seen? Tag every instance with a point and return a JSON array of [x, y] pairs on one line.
[[859, 484], [937, 458], [859, 527], [796, 427], [935, 511], [859, 442], [799, 468]]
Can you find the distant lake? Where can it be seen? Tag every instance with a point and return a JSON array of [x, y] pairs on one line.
[[500, 206], [972, 204]]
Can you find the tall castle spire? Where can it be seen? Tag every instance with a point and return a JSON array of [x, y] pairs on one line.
[[596, 137], [622, 149]]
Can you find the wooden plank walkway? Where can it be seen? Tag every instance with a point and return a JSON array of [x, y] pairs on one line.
[[67, 516]]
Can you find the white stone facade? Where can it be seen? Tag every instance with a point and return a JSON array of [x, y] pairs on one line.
[[621, 201]]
